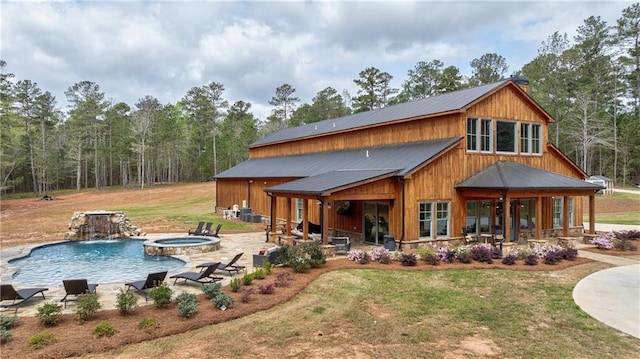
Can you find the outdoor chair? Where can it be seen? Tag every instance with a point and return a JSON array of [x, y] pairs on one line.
[[207, 229], [153, 280], [198, 230], [202, 277], [207, 232], [76, 287], [229, 267], [497, 240], [18, 296], [342, 244], [469, 239]]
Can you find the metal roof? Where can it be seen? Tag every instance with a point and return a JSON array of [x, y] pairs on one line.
[[451, 101], [506, 175], [402, 158], [328, 181]]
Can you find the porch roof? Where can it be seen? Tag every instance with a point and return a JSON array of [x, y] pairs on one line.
[[324, 183], [402, 158], [507, 175]]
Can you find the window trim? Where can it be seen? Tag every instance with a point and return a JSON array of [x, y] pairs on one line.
[[472, 137], [482, 135], [514, 139], [537, 139], [434, 212]]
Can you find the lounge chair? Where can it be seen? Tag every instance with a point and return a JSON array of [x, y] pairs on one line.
[[342, 244], [229, 267], [153, 280], [214, 233], [196, 231], [202, 277], [76, 287], [18, 296]]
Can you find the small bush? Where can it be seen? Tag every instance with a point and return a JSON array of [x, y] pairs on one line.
[[361, 257], [104, 329], [430, 256], [569, 253], [5, 335], [464, 255], [447, 255], [267, 267], [624, 245], [496, 253], [302, 257], [187, 305], [283, 279], [381, 255], [49, 314], [259, 274], [267, 288], [247, 278], [7, 322], [235, 284], [482, 253], [409, 259], [161, 295], [147, 323], [41, 340], [553, 257], [246, 294], [211, 290], [531, 259], [87, 306], [222, 301], [510, 259], [604, 240], [125, 301]]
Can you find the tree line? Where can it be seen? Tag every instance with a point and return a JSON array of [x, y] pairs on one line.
[[590, 84]]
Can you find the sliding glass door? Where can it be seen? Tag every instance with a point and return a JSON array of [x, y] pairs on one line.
[[376, 222]]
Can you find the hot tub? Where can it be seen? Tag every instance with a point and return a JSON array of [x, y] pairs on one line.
[[181, 246]]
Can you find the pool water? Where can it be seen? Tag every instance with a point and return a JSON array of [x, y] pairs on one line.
[[99, 261]]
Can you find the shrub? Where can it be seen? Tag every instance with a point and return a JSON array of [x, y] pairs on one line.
[[624, 245], [429, 255], [359, 256], [531, 259], [510, 259], [104, 329], [125, 301], [235, 284], [187, 305], [222, 301], [604, 241], [267, 267], [211, 290], [5, 335], [464, 255], [496, 253], [409, 259], [246, 294], [381, 255], [87, 306], [553, 257], [283, 279], [267, 288], [629, 235], [49, 314], [569, 253], [147, 323], [5, 325], [447, 255], [302, 257], [41, 340], [259, 274], [161, 295], [247, 278], [482, 253]]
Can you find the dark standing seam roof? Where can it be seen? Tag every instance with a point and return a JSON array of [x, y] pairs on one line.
[[506, 175], [322, 183], [447, 102], [402, 158]]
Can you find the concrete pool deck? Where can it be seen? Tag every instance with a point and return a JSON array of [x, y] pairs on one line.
[[231, 244]]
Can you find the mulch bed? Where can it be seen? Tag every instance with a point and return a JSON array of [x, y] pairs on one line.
[[75, 339]]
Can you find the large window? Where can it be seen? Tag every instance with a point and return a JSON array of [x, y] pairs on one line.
[[425, 219], [442, 213], [557, 212], [530, 138], [479, 135], [505, 136]]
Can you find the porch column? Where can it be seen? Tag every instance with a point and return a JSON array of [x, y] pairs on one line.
[[538, 217], [274, 214], [592, 213], [305, 220], [325, 220], [506, 212], [287, 227], [565, 216]]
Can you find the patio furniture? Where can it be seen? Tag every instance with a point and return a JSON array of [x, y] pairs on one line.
[[18, 296], [229, 267], [342, 244], [202, 277], [198, 230], [271, 255], [76, 287], [214, 233], [153, 280]]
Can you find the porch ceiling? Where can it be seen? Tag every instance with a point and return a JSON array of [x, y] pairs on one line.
[[325, 183]]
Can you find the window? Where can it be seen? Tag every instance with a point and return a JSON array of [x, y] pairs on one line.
[[505, 136], [485, 136], [557, 213], [299, 209], [425, 219], [472, 134], [472, 217], [524, 137], [442, 219], [536, 147], [571, 211]]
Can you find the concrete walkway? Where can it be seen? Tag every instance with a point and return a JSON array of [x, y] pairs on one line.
[[612, 296]]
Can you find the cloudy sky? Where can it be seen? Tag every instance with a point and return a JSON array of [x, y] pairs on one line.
[[164, 48]]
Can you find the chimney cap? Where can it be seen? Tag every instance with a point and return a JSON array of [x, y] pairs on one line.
[[519, 80]]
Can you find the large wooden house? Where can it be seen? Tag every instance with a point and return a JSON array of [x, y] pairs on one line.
[[475, 160]]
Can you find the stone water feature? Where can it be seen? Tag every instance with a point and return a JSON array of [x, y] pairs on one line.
[[100, 224]]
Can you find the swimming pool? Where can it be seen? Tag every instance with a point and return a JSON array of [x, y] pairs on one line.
[[99, 261]]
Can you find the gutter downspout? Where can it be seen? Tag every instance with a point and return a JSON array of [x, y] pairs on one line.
[[401, 180], [272, 225], [249, 182], [215, 206]]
